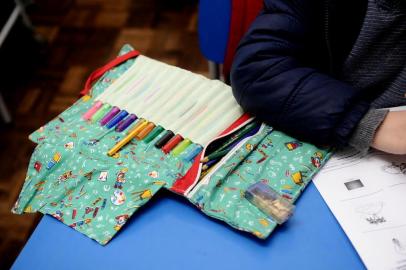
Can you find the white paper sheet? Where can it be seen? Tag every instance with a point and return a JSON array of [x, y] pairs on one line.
[[367, 195]]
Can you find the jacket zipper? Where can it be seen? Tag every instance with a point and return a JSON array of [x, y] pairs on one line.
[[327, 34]]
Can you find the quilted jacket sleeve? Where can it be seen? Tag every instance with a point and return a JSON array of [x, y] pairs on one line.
[[271, 81]]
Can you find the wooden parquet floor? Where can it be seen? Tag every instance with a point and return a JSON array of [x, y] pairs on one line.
[[42, 81]]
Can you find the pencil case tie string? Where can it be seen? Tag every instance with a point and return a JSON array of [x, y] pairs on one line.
[[95, 75]]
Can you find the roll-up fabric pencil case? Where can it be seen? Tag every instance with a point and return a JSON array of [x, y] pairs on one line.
[[145, 125]]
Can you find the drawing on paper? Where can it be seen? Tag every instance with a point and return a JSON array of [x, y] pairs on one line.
[[372, 212], [399, 247], [354, 184], [395, 168]]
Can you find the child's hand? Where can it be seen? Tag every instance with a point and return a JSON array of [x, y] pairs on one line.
[[391, 135]]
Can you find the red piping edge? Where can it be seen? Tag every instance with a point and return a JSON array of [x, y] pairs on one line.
[[184, 183]]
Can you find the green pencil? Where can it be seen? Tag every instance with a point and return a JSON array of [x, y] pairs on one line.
[[231, 140], [215, 155]]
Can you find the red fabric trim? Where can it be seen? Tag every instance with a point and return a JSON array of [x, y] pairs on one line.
[[183, 183], [243, 13], [100, 71], [243, 118]]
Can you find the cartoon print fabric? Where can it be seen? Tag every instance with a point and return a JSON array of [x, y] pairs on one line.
[[271, 157], [71, 178]]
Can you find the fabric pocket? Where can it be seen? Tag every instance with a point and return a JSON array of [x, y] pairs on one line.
[[93, 193], [281, 162]]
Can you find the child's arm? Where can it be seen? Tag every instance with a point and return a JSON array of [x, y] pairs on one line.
[[391, 135], [272, 76]]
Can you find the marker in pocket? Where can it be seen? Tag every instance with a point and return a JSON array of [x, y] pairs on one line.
[[125, 123], [174, 141], [181, 147], [96, 106], [113, 112], [120, 116], [164, 139], [143, 133], [101, 113], [126, 139], [193, 152], [153, 134]]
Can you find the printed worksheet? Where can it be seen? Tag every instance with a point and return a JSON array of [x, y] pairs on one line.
[[367, 195]]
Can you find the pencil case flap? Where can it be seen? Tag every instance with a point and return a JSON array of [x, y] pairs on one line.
[[95, 194], [271, 157], [71, 178]]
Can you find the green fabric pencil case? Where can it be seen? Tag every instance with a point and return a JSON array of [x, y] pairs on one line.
[[269, 157], [71, 178]]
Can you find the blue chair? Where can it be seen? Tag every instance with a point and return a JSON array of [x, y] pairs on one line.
[[213, 29]]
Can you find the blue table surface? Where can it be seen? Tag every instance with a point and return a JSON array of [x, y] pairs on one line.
[[170, 233]]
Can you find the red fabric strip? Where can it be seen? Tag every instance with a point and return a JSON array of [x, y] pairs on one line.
[[100, 71], [243, 13]]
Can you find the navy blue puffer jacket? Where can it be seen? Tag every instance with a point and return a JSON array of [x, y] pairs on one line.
[[286, 69]]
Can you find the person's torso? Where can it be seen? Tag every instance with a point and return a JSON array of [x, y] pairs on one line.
[[364, 44]]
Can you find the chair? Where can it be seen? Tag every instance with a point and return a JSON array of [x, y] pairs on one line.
[[222, 24], [213, 29], [19, 10]]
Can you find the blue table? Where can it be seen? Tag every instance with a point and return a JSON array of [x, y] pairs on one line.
[[170, 233]]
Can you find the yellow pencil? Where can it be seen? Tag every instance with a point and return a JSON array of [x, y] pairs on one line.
[[126, 139], [140, 122]]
